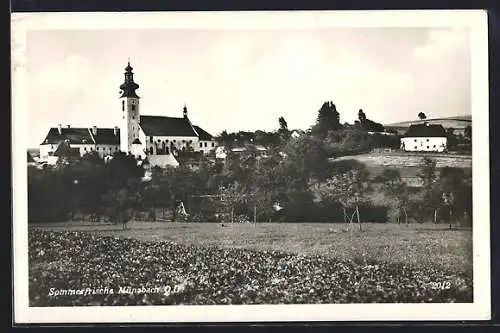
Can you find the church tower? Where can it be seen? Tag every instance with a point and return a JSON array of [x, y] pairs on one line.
[[129, 129]]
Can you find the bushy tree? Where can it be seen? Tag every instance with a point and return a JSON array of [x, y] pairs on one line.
[[328, 120]]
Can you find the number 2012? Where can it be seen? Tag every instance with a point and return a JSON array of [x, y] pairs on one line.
[[440, 285]]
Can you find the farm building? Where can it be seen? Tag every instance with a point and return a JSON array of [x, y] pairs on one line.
[[157, 138], [424, 137]]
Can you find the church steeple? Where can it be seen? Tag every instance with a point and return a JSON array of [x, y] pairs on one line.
[[128, 87]]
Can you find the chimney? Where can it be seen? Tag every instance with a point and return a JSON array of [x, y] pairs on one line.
[[115, 130], [94, 130], [185, 111], [59, 129]]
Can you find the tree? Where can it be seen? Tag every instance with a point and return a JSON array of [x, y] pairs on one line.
[[455, 186], [283, 124], [348, 189], [361, 116], [396, 189], [468, 132], [427, 174], [422, 116], [232, 195], [328, 120]]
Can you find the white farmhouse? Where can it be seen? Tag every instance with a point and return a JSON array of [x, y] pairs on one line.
[[424, 137]]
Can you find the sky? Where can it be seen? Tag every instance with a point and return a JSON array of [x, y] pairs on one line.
[[247, 79]]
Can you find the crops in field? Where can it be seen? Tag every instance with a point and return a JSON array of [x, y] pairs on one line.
[[76, 268]]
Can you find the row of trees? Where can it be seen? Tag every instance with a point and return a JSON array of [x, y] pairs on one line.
[[295, 180]]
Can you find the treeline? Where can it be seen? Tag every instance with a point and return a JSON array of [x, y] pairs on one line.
[[339, 139], [294, 180]]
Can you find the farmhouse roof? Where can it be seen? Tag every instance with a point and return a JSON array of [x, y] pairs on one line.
[[425, 130], [106, 136], [203, 135], [166, 126], [75, 135]]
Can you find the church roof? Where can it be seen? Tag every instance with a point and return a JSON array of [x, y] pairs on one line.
[[106, 136], [425, 131], [166, 126], [204, 135], [74, 134]]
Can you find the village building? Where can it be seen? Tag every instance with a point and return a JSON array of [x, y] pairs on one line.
[[424, 137], [159, 139]]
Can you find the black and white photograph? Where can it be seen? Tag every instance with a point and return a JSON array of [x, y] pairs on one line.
[[250, 166]]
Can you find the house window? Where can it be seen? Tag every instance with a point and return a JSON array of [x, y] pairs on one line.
[[201, 144], [159, 140], [213, 144], [174, 141], [427, 147], [116, 148], [415, 140], [415, 147], [205, 144], [166, 141], [190, 141], [427, 140], [85, 148], [434, 146], [133, 107], [151, 150]]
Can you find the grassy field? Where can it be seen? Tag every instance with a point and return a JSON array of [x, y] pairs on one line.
[[416, 244]]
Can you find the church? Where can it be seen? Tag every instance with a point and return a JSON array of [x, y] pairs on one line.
[[159, 139]]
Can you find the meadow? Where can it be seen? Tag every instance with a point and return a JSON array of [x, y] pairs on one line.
[[251, 263]]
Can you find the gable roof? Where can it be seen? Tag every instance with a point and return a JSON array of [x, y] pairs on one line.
[[74, 134], [166, 126], [425, 130], [106, 136], [64, 149], [203, 135]]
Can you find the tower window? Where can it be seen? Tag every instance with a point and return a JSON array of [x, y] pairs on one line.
[[123, 105], [151, 139], [133, 107]]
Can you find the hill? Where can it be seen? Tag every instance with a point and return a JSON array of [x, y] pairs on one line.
[[456, 122]]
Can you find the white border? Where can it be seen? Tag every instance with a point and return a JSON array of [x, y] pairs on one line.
[[476, 20]]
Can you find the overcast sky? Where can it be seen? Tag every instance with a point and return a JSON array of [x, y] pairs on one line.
[[247, 79]]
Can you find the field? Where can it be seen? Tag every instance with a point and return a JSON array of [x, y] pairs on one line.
[[250, 263]]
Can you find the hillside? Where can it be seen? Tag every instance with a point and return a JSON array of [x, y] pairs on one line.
[[457, 122]]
